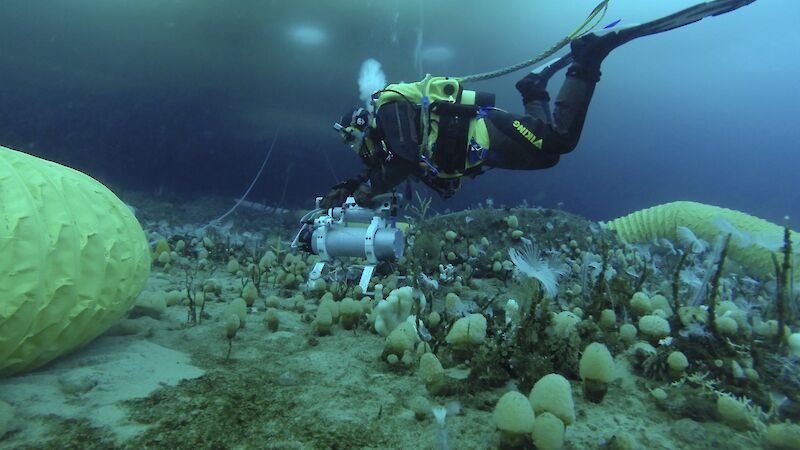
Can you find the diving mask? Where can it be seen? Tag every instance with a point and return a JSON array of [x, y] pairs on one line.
[[352, 127]]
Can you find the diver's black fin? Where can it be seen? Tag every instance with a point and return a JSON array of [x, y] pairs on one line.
[[548, 69], [679, 19], [684, 17]]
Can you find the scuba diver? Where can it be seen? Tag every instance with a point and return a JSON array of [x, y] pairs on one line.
[[437, 132]]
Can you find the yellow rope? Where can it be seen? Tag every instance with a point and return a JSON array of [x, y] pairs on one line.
[[599, 10], [597, 15]]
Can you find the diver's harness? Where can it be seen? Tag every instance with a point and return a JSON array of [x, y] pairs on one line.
[[432, 124]]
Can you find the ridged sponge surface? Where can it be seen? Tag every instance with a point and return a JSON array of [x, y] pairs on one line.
[[73, 258], [662, 221]]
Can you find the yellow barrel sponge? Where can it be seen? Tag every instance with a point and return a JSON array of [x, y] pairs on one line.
[[513, 414], [553, 394], [74, 260], [596, 368], [467, 331], [707, 222]]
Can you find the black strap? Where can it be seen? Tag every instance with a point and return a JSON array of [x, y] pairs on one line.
[[446, 187], [397, 122], [450, 149]]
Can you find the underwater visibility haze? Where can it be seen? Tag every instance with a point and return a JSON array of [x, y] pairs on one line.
[[601, 257]]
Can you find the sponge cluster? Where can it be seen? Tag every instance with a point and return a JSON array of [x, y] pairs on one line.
[[395, 309], [543, 415]]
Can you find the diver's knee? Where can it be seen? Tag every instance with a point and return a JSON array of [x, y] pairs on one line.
[[533, 88], [585, 72], [559, 145]]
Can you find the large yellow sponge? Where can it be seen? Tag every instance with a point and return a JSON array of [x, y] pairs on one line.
[[662, 221], [73, 258]]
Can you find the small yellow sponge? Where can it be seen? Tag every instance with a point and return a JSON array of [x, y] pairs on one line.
[[74, 258]]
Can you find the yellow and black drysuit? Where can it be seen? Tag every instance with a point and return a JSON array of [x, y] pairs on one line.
[[437, 132]]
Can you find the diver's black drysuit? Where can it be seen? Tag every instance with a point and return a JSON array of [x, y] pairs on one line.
[[534, 140], [559, 133], [510, 148]]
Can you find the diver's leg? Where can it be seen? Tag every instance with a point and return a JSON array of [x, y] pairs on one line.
[[535, 97], [534, 88], [572, 105], [561, 134], [539, 138]]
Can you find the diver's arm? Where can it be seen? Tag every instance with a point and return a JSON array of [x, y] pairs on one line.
[[374, 180], [384, 177], [340, 191]]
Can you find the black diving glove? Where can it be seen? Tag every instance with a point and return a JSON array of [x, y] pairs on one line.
[[339, 193], [363, 196], [334, 198]]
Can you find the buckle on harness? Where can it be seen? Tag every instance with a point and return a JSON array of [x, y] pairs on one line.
[[429, 166], [476, 152]]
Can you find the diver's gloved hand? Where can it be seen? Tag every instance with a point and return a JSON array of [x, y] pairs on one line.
[[339, 193], [334, 198], [363, 195]]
